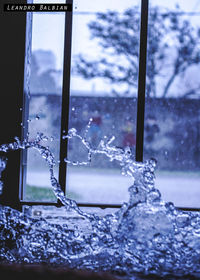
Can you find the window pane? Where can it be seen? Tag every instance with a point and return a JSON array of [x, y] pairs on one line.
[[45, 99], [172, 118], [105, 43]]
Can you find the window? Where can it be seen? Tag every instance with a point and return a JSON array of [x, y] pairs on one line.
[[172, 125], [112, 114], [104, 49], [45, 103], [111, 103]]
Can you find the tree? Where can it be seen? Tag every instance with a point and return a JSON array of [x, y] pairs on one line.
[[118, 36], [42, 82]]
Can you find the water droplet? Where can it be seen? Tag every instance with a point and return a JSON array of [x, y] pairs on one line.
[[72, 132], [37, 117], [182, 220], [161, 260], [154, 196], [45, 138]]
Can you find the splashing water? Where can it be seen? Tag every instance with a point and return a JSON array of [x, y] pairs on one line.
[[2, 167], [146, 235]]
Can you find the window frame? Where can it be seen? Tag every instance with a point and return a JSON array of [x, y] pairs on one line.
[[66, 101]]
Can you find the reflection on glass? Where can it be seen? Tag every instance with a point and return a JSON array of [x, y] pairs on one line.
[[105, 43], [172, 117], [45, 101]]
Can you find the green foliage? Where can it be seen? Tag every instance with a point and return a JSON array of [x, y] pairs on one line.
[[35, 193]]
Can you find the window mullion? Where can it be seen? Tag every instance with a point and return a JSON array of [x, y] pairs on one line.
[[142, 80], [65, 96]]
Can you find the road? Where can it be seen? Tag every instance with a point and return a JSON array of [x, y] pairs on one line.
[[93, 186]]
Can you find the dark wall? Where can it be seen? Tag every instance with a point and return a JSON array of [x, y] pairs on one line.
[[12, 55]]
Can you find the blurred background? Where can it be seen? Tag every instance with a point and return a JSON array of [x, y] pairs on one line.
[[104, 73]]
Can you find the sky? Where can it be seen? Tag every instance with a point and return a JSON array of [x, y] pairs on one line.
[[48, 28], [48, 31]]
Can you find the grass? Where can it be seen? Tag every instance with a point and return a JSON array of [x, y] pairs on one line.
[[34, 193]]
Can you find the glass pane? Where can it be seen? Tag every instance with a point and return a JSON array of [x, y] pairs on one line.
[[105, 43], [45, 99], [172, 121]]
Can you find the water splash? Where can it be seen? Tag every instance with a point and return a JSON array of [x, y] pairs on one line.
[[145, 235], [2, 167]]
